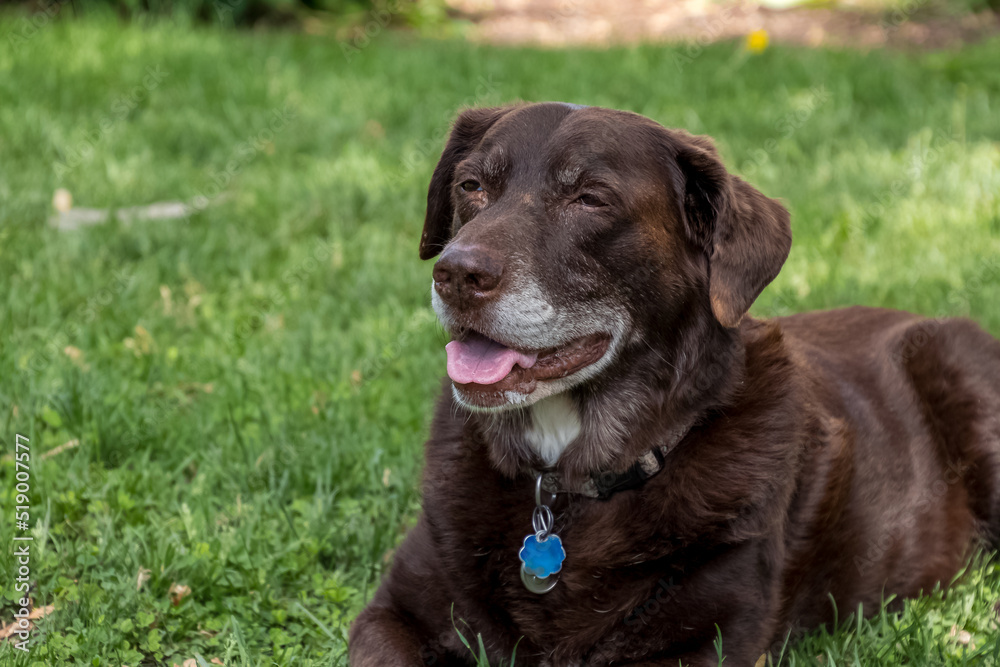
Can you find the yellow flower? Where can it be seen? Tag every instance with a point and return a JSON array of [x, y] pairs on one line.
[[757, 41]]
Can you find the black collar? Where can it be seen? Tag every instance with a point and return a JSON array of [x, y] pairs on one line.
[[605, 483]]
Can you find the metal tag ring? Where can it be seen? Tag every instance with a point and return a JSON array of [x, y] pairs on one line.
[[542, 520]]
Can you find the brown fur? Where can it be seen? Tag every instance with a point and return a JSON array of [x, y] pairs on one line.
[[852, 453]]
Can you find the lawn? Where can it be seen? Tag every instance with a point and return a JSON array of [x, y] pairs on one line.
[[226, 411]]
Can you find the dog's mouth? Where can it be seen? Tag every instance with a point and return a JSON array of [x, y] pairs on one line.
[[486, 370]]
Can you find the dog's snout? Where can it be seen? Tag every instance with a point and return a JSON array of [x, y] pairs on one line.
[[465, 273]]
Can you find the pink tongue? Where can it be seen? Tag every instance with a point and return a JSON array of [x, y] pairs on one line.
[[483, 361]]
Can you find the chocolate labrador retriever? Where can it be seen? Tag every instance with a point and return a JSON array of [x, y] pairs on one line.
[[624, 465]]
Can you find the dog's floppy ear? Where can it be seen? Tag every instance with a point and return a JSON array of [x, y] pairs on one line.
[[745, 235], [466, 133]]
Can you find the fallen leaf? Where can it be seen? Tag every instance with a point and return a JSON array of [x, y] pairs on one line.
[[192, 387], [55, 451], [385, 477], [313, 26], [761, 661], [962, 636], [142, 344], [62, 200], [165, 295], [374, 129], [39, 612], [178, 592], [35, 614], [143, 338], [7, 630], [143, 577], [75, 355]]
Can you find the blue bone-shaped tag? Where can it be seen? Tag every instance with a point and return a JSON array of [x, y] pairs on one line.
[[542, 558]]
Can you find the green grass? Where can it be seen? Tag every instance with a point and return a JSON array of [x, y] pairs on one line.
[[253, 383]]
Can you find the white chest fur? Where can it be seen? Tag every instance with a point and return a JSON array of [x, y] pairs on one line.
[[555, 423]]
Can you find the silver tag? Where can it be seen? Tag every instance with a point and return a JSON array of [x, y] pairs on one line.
[[537, 584], [542, 555]]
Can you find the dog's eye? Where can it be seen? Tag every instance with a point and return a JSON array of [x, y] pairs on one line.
[[471, 186], [590, 199]]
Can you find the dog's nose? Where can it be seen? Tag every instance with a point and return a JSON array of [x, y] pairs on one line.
[[465, 273]]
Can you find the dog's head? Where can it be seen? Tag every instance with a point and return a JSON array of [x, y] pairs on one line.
[[569, 235]]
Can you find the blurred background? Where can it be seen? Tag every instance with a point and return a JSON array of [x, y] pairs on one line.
[[216, 334]]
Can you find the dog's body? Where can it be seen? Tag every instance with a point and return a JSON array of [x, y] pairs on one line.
[[852, 454]]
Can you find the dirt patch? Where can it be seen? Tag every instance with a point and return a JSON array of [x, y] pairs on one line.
[[600, 23]]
